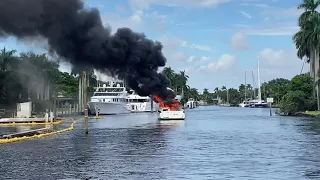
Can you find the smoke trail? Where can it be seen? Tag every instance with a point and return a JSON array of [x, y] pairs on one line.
[[78, 35]]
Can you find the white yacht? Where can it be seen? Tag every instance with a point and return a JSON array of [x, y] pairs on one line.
[[109, 100], [258, 104], [136, 103]]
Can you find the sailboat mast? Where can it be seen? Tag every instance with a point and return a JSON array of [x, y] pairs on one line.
[[245, 85], [259, 85], [254, 86]]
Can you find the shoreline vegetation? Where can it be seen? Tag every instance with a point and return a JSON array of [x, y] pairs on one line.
[[37, 78], [47, 82]]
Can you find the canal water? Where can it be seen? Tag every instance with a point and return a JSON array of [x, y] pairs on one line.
[[212, 143]]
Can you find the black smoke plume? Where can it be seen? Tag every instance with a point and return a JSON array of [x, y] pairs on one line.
[[77, 35]]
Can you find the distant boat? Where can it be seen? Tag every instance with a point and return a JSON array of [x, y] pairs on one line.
[[191, 104], [258, 103], [245, 103]]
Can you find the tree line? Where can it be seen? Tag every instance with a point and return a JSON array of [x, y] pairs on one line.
[[35, 77], [291, 96]]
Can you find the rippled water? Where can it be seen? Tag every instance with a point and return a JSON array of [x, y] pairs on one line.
[[212, 143]]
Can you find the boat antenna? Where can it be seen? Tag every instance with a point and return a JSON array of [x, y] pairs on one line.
[[245, 85]]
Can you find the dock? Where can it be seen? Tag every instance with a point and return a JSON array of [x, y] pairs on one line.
[[28, 133], [22, 120]]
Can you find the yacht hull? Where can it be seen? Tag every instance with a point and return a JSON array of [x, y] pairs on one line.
[[108, 108], [141, 107], [259, 105]]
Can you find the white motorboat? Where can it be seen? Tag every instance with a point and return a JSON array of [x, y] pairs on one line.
[[109, 100], [167, 114], [136, 103], [191, 103], [173, 111], [244, 104]]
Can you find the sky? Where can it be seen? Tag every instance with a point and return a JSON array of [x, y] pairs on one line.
[[216, 42]]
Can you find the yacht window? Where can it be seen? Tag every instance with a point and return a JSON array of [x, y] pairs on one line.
[[105, 94], [142, 100]]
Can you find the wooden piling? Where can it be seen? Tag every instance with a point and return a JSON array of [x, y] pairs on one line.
[[85, 104]]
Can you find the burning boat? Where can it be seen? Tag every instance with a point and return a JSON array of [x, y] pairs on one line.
[[169, 110]]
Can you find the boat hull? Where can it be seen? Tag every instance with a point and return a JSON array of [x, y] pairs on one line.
[[107, 108], [171, 115], [243, 105], [259, 105], [191, 105]]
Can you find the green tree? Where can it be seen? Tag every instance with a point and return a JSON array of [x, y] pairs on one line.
[[276, 88], [299, 96], [234, 96], [293, 102]]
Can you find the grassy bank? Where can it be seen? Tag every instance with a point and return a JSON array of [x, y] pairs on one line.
[[302, 114], [312, 113]]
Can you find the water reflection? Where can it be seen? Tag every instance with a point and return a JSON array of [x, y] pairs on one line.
[[170, 123]]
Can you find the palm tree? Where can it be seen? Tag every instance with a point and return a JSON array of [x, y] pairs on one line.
[[309, 7], [170, 74], [205, 94], [307, 39], [6, 76], [6, 59], [181, 81], [216, 90], [194, 93]]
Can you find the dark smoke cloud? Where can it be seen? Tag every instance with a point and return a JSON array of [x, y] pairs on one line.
[[77, 35]]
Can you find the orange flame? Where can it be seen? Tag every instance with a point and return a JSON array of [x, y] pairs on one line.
[[173, 106]]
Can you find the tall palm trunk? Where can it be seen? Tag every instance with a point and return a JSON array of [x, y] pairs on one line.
[[316, 71], [312, 69], [312, 62]]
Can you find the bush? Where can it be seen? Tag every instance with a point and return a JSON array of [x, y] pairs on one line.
[[293, 102]]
